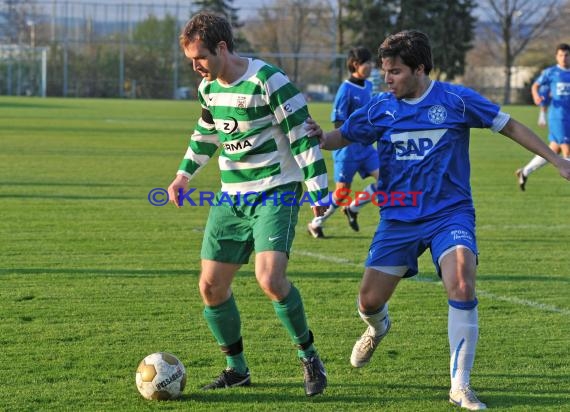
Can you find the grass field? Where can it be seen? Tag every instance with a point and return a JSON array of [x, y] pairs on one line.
[[93, 278]]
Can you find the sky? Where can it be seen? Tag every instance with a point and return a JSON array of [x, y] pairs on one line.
[[240, 4], [244, 6], [237, 3]]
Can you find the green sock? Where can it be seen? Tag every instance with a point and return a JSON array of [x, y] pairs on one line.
[[225, 323], [237, 362], [307, 353], [291, 313]]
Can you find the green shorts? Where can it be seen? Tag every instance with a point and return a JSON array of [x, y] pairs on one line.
[[236, 228]]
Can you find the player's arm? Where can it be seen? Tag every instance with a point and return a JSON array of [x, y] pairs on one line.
[[290, 110], [341, 107], [536, 97], [308, 155], [542, 79], [202, 146], [333, 140], [529, 140], [329, 141]]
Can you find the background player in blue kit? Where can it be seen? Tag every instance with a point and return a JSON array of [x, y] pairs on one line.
[[556, 79], [422, 130], [352, 94]]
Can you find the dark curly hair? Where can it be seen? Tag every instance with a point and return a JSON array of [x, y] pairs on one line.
[[210, 28], [412, 46]]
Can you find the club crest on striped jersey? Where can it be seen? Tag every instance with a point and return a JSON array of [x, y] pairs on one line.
[[417, 144], [241, 105], [437, 114]]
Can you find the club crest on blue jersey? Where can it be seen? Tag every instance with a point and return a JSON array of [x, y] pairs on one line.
[[562, 89], [437, 114], [415, 145]]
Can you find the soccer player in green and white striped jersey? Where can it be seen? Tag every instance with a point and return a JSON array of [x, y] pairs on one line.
[[252, 112]]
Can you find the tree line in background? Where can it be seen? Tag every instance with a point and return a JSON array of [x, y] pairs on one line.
[[308, 39]]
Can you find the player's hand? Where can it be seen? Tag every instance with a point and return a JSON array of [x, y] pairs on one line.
[[179, 182], [538, 99], [314, 130], [319, 210]]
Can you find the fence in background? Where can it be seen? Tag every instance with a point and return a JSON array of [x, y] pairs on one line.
[[130, 50]]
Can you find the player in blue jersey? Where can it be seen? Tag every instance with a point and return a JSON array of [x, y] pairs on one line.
[[422, 127], [352, 94], [556, 79]]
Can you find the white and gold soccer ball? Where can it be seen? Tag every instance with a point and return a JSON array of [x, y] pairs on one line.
[[161, 376]]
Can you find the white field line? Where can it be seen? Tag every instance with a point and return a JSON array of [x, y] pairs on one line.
[[525, 226], [327, 258], [518, 226], [513, 300], [524, 302]]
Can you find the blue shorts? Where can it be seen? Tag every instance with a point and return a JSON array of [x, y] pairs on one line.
[[344, 171], [559, 131], [398, 244]]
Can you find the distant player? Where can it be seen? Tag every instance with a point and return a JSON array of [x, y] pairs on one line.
[[422, 129], [556, 79], [352, 94]]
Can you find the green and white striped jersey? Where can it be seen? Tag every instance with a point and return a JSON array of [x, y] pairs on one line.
[[259, 123]]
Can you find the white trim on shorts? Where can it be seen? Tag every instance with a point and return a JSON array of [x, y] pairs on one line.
[[448, 251], [398, 271]]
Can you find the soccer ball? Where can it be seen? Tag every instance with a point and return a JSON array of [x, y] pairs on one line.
[[160, 376]]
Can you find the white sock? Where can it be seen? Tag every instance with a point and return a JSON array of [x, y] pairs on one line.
[[536, 163], [318, 221], [378, 321], [541, 119], [357, 203], [462, 331]]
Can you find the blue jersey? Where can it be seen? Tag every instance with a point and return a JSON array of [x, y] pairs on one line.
[[423, 147], [350, 97], [557, 80]]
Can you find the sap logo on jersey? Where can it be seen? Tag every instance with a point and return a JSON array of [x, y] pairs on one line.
[[237, 146], [415, 145]]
